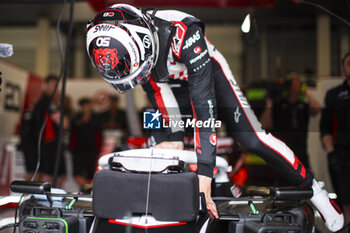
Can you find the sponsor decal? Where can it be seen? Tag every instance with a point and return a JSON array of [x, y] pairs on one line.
[[240, 95], [108, 14], [200, 56], [178, 39], [213, 139], [151, 120], [106, 58], [211, 112], [237, 114], [133, 49], [146, 41], [103, 27], [201, 65], [236, 191], [197, 50], [103, 41], [193, 39]]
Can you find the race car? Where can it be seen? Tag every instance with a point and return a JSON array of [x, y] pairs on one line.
[[149, 190]]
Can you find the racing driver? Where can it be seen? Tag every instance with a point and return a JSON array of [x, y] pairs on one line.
[[129, 46]]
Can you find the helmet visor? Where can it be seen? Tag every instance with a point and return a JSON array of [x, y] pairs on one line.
[[139, 77]]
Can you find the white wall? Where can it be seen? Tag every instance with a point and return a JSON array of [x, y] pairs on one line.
[[227, 39], [24, 41], [13, 89]]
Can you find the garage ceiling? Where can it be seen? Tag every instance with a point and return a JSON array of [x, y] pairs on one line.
[[229, 11]]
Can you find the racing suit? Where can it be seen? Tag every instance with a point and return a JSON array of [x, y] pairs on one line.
[[212, 87]]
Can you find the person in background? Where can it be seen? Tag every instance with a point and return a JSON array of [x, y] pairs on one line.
[[28, 144], [68, 107], [48, 106], [69, 114], [85, 143], [114, 117], [335, 136], [289, 116]]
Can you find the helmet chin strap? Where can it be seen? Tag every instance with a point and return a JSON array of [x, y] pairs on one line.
[[146, 10], [151, 18]]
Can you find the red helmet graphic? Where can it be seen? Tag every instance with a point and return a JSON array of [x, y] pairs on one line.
[[106, 58], [111, 58]]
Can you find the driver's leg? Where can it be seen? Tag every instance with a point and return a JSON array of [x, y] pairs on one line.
[[244, 126]]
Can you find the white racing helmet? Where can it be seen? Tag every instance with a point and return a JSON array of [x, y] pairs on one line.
[[122, 45]]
